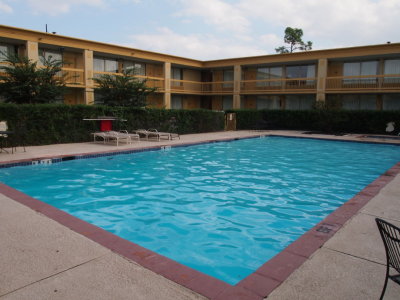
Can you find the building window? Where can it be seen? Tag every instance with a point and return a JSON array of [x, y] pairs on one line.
[[391, 102], [299, 75], [391, 67], [137, 67], [176, 76], [272, 74], [268, 102], [227, 76], [359, 102], [50, 55], [105, 65], [243, 101], [364, 68], [176, 102], [304, 71], [6, 50], [299, 102], [227, 102]]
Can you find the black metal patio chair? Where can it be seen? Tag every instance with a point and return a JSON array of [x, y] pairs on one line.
[[391, 239]]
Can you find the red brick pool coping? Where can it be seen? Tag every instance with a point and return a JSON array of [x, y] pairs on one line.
[[257, 285]]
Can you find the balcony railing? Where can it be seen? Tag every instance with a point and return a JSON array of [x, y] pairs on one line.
[[367, 82], [278, 85], [203, 88], [73, 77], [153, 82]]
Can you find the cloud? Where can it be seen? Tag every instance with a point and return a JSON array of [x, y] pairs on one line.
[[204, 47], [327, 23], [222, 15], [255, 27], [51, 8], [5, 8], [332, 23], [270, 41]]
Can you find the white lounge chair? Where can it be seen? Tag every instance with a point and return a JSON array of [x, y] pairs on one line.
[[154, 133], [108, 136]]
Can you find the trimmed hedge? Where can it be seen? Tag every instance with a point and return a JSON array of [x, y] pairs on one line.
[[329, 121], [42, 124]]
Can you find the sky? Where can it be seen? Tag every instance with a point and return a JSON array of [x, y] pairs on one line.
[[210, 29]]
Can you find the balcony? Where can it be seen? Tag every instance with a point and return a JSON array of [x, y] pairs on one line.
[[201, 88], [364, 83], [152, 82], [73, 77], [281, 85]]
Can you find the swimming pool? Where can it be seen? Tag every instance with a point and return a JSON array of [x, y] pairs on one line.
[[222, 208]]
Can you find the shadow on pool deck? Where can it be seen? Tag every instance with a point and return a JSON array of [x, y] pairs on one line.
[[42, 259]]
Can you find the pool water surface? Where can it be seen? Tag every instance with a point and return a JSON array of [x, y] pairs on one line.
[[220, 208]]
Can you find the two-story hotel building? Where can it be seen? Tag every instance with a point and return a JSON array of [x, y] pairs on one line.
[[355, 78]]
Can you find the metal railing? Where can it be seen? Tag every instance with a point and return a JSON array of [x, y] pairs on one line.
[[153, 82], [73, 76], [203, 88], [367, 82], [278, 85]]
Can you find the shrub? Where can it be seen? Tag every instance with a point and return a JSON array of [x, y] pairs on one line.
[[328, 121], [43, 124]]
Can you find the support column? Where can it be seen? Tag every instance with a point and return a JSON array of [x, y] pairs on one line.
[[32, 51], [88, 67], [321, 79], [237, 77], [167, 85]]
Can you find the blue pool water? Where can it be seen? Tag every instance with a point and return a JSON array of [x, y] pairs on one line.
[[222, 208]]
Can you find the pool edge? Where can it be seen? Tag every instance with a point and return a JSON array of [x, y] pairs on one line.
[[255, 286]]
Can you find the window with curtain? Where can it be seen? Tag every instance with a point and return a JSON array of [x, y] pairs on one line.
[[227, 76], [177, 74], [391, 101], [299, 102], [268, 102], [138, 68], [227, 102], [111, 66], [98, 64], [359, 102], [176, 102], [242, 102], [392, 66], [105, 65], [270, 73], [364, 68], [46, 54], [303, 71], [50, 55], [6, 50]]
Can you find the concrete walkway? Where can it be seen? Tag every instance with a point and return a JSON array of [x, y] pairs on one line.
[[41, 259]]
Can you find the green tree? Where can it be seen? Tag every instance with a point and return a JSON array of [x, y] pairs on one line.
[[293, 37], [24, 81], [123, 90]]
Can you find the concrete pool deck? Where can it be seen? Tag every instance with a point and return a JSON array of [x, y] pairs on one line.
[[42, 259]]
